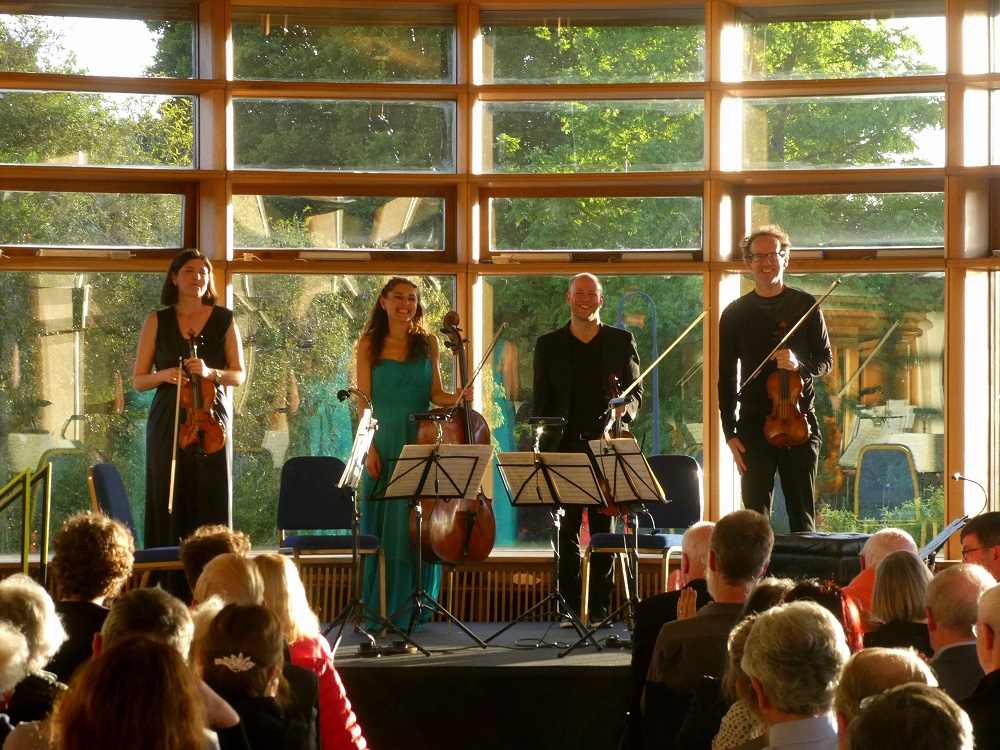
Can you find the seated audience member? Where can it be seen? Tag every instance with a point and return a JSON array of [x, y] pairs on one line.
[[13, 669], [839, 604], [138, 693], [207, 542], [982, 704], [286, 597], [898, 604], [687, 650], [242, 660], [872, 671], [29, 608], [981, 542], [952, 605], [793, 656], [910, 717], [93, 560], [741, 724], [879, 545], [653, 612], [231, 577]]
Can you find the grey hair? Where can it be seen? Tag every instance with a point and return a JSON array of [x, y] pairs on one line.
[[883, 543], [29, 608], [953, 595], [908, 716], [796, 652], [152, 612], [874, 670], [13, 657]]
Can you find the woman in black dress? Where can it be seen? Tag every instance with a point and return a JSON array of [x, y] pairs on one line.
[[203, 480]]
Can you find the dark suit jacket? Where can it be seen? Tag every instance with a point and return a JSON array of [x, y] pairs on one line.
[[554, 373], [981, 707], [958, 670]]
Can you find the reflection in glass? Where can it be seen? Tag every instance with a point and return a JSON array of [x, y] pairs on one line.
[[347, 45], [594, 136], [590, 47], [339, 222], [903, 130], [70, 129], [91, 219], [148, 42], [327, 134], [590, 223], [875, 220], [780, 45]]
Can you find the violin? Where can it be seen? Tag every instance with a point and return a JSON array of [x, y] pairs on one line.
[[614, 431], [786, 425], [202, 431], [459, 529]]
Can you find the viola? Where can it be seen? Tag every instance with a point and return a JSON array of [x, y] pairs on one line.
[[462, 529], [201, 431], [786, 425]]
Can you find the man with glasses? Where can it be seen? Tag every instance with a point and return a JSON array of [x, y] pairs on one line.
[[749, 329], [981, 542]]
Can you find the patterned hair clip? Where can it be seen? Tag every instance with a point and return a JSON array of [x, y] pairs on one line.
[[235, 662]]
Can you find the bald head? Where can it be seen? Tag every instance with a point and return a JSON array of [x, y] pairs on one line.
[[883, 543], [695, 546]]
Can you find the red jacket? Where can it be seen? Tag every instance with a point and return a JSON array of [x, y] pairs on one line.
[[338, 726]]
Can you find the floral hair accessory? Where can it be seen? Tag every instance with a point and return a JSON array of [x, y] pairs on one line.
[[235, 662]]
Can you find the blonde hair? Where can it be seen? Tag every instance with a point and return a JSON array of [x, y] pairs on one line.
[[286, 596], [232, 578], [900, 588], [29, 608]]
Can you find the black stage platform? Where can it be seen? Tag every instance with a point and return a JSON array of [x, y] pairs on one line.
[[516, 693]]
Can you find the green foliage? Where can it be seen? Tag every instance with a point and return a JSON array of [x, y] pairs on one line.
[[922, 519]]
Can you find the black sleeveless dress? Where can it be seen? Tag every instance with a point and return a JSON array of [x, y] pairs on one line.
[[202, 483]]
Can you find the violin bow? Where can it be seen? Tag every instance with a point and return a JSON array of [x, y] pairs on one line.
[[868, 359], [475, 373], [177, 426], [788, 335]]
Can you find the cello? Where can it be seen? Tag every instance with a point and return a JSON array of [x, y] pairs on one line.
[[463, 529]]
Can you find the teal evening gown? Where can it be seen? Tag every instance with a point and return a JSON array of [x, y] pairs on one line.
[[399, 389]]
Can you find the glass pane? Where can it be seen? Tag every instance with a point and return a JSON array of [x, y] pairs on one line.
[[781, 45], [881, 409], [91, 219], [344, 44], [646, 223], [389, 136], [656, 309], [66, 393], [71, 129], [876, 220], [147, 42], [590, 47], [904, 130], [594, 136], [339, 222]]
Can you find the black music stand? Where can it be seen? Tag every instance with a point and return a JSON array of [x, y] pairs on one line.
[[630, 483], [433, 471], [552, 480]]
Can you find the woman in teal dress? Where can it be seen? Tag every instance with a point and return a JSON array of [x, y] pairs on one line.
[[398, 368]]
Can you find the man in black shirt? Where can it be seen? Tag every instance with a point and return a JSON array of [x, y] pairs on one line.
[[572, 366]]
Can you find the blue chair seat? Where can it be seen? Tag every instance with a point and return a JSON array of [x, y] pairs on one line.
[[647, 542], [157, 555], [339, 542]]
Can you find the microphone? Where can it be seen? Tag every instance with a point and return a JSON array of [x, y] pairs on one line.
[[343, 395], [553, 421], [986, 495]]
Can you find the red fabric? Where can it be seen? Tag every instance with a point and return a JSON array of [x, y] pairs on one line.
[[860, 590], [338, 726]]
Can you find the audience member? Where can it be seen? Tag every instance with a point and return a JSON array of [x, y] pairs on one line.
[[982, 704], [839, 604], [242, 660], [653, 612], [207, 542], [232, 578], [911, 717], [13, 669], [92, 561], [952, 605], [981, 542], [286, 598], [872, 671], [138, 693], [898, 604], [879, 545], [687, 650], [741, 723], [793, 656], [29, 608]]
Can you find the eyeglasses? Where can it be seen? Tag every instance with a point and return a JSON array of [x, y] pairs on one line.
[[966, 551], [759, 257]]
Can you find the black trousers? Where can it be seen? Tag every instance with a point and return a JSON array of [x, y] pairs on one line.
[[795, 466]]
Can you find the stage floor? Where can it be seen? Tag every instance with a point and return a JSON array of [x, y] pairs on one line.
[[517, 692]]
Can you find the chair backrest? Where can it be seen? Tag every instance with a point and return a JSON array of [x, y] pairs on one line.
[[308, 497], [886, 478], [681, 479], [108, 493]]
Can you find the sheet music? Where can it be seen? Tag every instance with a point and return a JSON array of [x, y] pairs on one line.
[[572, 473], [617, 456], [458, 472], [359, 450]]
